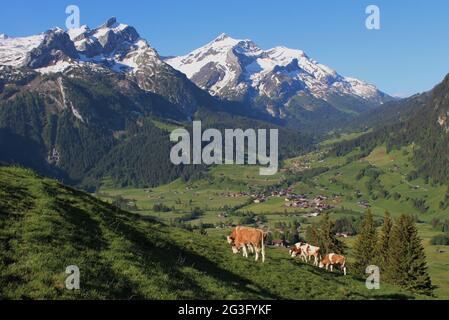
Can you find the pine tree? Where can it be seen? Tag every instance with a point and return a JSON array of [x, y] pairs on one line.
[[312, 235], [327, 240], [407, 260], [383, 245], [365, 245]]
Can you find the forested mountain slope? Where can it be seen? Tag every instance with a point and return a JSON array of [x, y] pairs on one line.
[[424, 124]]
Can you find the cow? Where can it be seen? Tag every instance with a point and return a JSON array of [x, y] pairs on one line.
[[312, 251], [334, 260], [243, 238], [306, 251], [299, 249], [247, 247]]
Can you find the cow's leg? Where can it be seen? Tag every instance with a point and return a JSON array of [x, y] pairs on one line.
[[304, 257], [257, 253], [344, 270], [245, 252], [332, 268], [263, 253]]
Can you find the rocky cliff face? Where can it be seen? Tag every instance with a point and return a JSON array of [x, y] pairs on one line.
[[56, 46]]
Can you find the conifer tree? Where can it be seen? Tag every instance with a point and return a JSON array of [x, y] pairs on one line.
[[327, 240], [312, 235], [407, 260], [365, 245], [383, 245]]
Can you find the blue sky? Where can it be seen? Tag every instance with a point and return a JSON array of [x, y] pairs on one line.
[[409, 54]]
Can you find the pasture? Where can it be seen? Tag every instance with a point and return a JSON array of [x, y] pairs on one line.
[[342, 183]]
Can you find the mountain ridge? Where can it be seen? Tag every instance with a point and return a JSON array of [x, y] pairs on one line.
[[114, 46], [237, 69], [280, 85]]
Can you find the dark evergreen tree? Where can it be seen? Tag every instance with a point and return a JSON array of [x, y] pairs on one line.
[[327, 240], [365, 245], [407, 260], [312, 235], [383, 245]]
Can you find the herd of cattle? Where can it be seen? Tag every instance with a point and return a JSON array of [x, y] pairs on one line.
[[253, 241]]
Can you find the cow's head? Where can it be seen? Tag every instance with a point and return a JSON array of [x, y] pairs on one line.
[[235, 250], [230, 240], [294, 252], [321, 264]]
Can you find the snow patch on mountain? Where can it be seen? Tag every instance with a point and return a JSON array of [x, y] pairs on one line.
[[13, 51], [66, 103], [58, 67]]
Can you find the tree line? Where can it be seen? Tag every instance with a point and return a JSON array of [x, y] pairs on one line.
[[396, 249]]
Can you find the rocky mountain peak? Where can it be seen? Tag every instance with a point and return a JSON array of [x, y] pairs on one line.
[[55, 46], [221, 37], [109, 23]]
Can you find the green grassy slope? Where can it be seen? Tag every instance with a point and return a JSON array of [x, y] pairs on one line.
[[338, 178], [45, 227]]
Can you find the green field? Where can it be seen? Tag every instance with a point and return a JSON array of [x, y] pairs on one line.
[[341, 183], [45, 227]]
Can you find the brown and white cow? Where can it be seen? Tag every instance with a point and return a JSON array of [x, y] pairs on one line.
[[306, 251], [334, 260], [247, 247], [299, 249], [312, 251], [243, 238]]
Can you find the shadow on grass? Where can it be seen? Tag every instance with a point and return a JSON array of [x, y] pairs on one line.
[[150, 246], [166, 255]]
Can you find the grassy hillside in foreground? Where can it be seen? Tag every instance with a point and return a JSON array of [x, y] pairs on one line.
[[45, 227]]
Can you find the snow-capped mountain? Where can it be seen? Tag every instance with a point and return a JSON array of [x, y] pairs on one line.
[[114, 46], [281, 84], [239, 69]]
